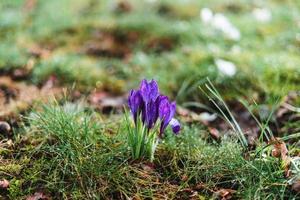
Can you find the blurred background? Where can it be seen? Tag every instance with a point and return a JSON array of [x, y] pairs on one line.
[[248, 49]]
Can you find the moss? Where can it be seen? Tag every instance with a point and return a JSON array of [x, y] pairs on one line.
[[11, 168], [15, 189]]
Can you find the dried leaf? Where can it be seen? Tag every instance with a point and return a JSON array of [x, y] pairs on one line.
[[184, 177], [124, 6], [39, 52], [103, 100], [287, 173], [4, 184], [19, 96], [109, 45], [225, 193], [148, 167], [194, 195], [6, 143], [280, 149], [214, 133], [288, 112], [190, 116], [276, 153], [38, 196], [296, 186], [183, 111]]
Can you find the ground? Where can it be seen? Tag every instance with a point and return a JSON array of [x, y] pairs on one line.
[[66, 68]]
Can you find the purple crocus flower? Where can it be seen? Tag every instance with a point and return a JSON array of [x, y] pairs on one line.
[[166, 112], [150, 93], [148, 104], [135, 103]]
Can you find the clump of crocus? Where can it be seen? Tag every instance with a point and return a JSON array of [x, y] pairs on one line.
[[152, 113]]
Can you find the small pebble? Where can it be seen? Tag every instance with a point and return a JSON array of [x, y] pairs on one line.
[[4, 128]]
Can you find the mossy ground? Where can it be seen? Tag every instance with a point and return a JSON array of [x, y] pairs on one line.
[[70, 150]]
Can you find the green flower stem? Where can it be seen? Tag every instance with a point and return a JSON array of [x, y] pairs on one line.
[[141, 140]]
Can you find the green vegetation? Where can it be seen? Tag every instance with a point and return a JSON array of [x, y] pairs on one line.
[[72, 155], [76, 148]]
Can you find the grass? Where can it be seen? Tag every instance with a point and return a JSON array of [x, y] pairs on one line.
[[69, 151]]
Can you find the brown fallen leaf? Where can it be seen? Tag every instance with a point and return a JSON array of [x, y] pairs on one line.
[[192, 193], [225, 194], [19, 96], [109, 45], [286, 104], [214, 133], [280, 149], [288, 112], [105, 101], [4, 184], [39, 52], [160, 44], [201, 186], [51, 82], [183, 111], [190, 116], [123, 6], [296, 186], [276, 153], [148, 167], [184, 177], [287, 173], [6, 143], [38, 196]]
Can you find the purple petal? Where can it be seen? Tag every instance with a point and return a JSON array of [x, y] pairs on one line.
[[163, 107], [175, 125], [172, 110], [166, 112], [144, 90], [154, 91], [152, 114], [149, 90], [135, 103]]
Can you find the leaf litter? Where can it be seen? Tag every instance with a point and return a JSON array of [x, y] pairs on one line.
[[17, 97]]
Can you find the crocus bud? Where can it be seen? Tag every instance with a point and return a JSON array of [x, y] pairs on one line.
[[175, 125]]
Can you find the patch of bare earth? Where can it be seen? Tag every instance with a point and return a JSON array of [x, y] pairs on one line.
[[16, 97]]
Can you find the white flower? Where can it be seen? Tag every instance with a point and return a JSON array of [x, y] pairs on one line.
[[205, 116], [262, 14], [221, 23], [226, 67], [233, 33], [206, 15]]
